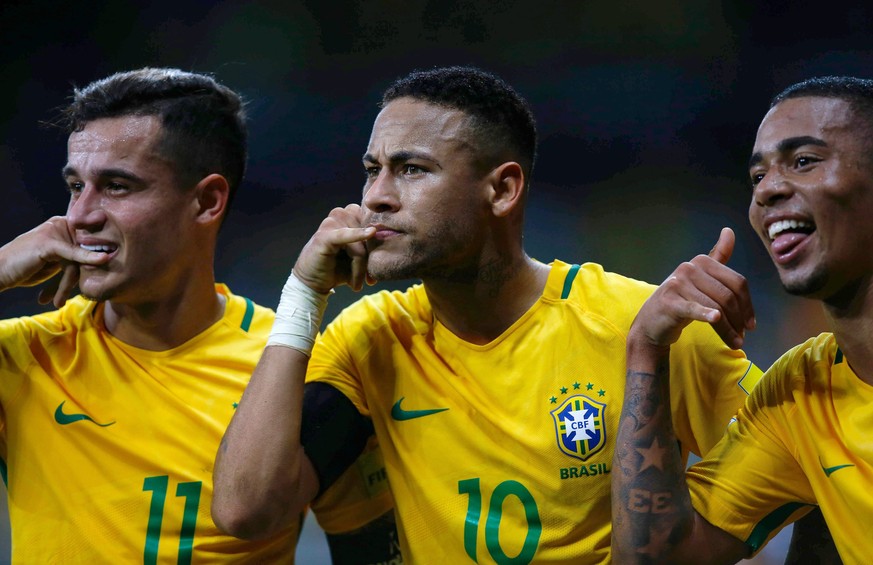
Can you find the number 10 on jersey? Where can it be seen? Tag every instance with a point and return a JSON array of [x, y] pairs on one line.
[[505, 489]]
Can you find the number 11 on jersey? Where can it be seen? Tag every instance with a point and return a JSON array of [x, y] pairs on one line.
[[191, 493]]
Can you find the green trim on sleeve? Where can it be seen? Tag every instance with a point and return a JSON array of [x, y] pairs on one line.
[[838, 358], [568, 281], [247, 317], [770, 522], [3, 472]]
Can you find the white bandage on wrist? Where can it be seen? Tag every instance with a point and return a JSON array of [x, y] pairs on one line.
[[298, 316]]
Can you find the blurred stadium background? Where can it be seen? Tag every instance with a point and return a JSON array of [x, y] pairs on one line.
[[646, 113]]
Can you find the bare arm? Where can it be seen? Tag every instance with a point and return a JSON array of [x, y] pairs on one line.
[[40, 254], [263, 478], [653, 519]]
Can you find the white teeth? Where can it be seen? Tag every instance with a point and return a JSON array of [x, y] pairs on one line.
[[778, 227], [103, 248]]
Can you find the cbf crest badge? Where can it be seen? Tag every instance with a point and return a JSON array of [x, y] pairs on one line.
[[579, 425]]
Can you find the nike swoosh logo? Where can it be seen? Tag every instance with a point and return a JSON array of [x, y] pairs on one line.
[[828, 471], [64, 419], [400, 414]]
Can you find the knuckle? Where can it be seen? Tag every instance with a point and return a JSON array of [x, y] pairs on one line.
[[671, 284], [318, 240], [335, 217], [328, 222]]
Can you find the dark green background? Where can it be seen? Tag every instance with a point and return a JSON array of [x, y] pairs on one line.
[[646, 111]]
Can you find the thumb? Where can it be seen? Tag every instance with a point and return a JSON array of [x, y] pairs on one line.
[[724, 247]]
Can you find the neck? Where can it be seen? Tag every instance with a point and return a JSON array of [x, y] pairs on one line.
[[478, 310], [852, 324], [163, 324]]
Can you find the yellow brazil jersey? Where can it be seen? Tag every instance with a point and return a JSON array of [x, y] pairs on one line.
[[802, 439], [501, 453], [108, 449]]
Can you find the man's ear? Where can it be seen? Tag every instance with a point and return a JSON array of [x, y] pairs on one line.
[[211, 196], [507, 181]]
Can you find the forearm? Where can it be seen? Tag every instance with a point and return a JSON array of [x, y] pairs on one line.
[[651, 504], [653, 519], [262, 477]]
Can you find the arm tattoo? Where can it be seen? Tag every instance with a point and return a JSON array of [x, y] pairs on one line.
[[651, 505]]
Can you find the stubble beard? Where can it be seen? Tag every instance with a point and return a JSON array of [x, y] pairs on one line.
[[417, 263], [426, 260], [809, 286], [101, 293], [398, 269], [101, 297]]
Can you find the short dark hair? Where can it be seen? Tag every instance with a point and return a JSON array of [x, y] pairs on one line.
[[857, 92], [502, 121], [203, 121]]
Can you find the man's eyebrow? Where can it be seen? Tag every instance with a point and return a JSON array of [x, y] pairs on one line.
[[787, 145], [69, 171], [402, 157]]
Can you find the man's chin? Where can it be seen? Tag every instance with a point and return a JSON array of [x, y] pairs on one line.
[[810, 286], [92, 290], [387, 271], [94, 296]]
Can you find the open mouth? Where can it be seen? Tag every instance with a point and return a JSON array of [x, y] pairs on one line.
[[787, 235], [102, 248], [789, 226]]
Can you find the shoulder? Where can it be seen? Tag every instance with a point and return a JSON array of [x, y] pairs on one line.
[[380, 318], [78, 312], [245, 315], [813, 356], [407, 307], [803, 369], [590, 281], [51, 335], [599, 292]]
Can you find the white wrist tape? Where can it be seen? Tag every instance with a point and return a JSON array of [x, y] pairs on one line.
[[298, 316]]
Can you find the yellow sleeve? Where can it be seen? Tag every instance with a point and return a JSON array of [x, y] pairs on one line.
[[708, 384], [749, 484], [331, 361]]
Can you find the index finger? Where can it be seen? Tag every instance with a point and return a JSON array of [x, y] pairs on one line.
[[75, 254]]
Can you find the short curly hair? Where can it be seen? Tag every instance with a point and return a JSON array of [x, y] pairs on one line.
[[857, 92], [502, 122], [203, 121]]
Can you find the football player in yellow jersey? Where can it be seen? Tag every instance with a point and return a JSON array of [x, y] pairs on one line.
[[802, 440], [113, 405], [494, 387]]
